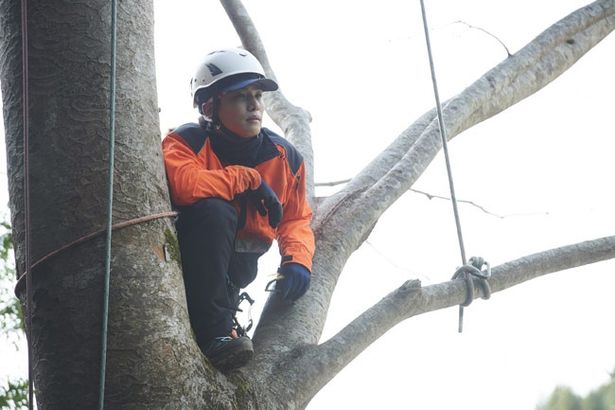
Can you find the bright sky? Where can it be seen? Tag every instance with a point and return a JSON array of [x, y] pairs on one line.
[[361, 70]]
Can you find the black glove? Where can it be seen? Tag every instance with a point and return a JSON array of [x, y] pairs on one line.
[[267, 203]]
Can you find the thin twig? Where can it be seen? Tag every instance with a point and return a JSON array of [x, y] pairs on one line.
[[482, 208], [432, 196], [333, 183], [486, 32]]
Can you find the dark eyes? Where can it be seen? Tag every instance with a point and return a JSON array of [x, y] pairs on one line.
[[244, 96]]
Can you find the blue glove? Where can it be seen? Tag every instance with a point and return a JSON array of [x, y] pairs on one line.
[[295, 282]]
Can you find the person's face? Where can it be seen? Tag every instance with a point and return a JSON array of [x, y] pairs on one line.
[[242, 111]]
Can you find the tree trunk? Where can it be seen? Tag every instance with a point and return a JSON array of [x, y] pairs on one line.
[[69, 83]]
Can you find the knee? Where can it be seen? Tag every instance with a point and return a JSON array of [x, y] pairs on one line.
[[214, 212], [243, 268], [214, 206]]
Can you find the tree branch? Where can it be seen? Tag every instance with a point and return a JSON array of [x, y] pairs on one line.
[[532, 68], [529, 70], [321, 363], [377, 168], [293, 120], [344, 220]]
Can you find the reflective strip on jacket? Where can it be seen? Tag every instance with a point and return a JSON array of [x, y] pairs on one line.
[[194, 171]]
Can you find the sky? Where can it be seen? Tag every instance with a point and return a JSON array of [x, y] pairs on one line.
[[543, 166]]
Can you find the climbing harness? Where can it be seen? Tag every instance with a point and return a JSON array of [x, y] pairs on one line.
[[472, 268], [243, 330]]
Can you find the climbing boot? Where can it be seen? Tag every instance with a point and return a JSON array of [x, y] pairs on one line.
[[228, 353]]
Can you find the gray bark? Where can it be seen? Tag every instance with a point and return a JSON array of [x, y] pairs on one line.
[[150, 352], [153, 361]]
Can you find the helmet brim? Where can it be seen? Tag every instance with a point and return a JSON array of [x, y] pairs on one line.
[[264, 84]]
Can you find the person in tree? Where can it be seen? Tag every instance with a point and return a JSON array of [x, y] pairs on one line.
[[237, 186]]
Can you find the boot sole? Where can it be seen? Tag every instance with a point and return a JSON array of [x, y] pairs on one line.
[[234, 358], [233, 361]]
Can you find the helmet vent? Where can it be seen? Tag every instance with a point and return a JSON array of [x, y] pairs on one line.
[[214, 69]]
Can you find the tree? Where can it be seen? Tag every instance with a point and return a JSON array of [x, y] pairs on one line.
[[153, 360], [563, 398]]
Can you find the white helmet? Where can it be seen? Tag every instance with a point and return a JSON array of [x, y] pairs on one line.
[[228, 70]]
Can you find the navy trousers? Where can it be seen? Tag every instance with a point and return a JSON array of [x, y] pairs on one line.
[[213, 271]]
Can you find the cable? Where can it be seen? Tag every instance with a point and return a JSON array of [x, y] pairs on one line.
[[443, 135], [105, 314], [26, 192], [445, 148]]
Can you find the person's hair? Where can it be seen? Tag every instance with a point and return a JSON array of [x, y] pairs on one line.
[[201, 98]]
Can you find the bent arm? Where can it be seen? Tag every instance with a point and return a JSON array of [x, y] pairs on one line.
[[190, 181], [295, 236]]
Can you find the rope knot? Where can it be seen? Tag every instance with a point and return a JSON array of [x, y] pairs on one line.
[[477, 268]]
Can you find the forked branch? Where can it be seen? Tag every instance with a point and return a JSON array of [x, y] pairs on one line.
[[293, 120]]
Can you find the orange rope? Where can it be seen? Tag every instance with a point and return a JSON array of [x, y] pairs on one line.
[[20, 282]]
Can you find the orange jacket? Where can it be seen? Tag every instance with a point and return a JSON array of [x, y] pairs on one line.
[[194, 171]]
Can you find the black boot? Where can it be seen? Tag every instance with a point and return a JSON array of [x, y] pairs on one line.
[[228, 353]]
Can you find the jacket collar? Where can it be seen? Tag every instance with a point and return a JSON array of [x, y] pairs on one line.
[[234, 150]]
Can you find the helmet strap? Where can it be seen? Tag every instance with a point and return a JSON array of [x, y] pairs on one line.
[[215, 117]]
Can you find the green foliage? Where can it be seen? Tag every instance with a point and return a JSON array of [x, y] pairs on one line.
[[7, 241], [593, 401], [11, 315], [14, 395], [563, 398]]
